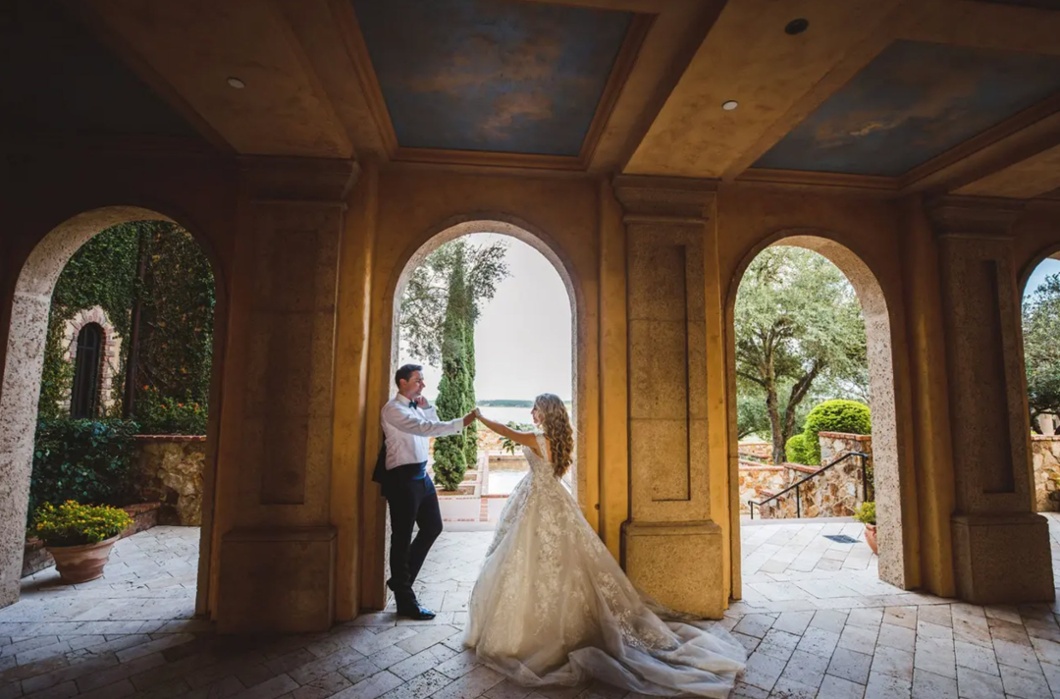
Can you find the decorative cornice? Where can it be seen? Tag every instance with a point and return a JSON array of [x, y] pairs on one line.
[[979, 217], [673, 199], [323, 180]]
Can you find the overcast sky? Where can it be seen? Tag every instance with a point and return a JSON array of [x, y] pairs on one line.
[[523, 338]]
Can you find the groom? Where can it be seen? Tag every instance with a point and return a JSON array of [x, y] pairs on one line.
[[408, 420]]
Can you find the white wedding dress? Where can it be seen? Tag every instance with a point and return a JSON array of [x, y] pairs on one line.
[[552, 607]]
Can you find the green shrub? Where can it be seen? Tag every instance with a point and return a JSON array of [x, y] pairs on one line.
[[835, 416], [797, 451], [87, 461], [71, 524], [449, 461], [157, 414], [866, 512]]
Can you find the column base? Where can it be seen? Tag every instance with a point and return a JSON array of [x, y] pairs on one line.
[[277, 580], [677, 564], [1002, 559]]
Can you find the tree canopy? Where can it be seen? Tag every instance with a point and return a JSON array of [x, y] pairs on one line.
[[439, 308], [1041, 347], [799, 330]]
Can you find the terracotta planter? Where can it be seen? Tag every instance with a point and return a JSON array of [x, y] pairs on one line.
[[77, 564], [870, 536]]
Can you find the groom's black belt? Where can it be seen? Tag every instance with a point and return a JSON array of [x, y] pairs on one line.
[[409, 472]]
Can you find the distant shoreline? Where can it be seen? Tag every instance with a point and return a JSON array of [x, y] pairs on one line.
[[510, 403]]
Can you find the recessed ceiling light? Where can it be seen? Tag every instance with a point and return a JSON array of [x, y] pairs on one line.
[[236, 83], [796, 26], [730, 105]]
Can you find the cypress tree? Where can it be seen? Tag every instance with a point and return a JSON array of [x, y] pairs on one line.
[[450, 457]]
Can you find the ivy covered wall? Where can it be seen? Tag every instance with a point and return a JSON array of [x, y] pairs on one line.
[[159, 266]]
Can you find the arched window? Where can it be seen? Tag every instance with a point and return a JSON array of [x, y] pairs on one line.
[[87, 364]]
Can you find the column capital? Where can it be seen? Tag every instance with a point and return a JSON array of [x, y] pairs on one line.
[[978, 217], [316, 180], [673, 199]]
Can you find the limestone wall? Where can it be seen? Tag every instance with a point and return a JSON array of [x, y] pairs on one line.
[[170, 471], [757, 481], [835, 493], [1045, 456]]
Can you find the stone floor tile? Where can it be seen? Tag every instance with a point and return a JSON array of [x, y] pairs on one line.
[[763, 671], [850, 665], [779, 644], [838, 688], [973, 684], [806, 668], [755, 624], [790, 689], [1016, 655], [793, 622], [858, 638], [976, 657], [893, 636], [883, 686], [893, 661], [1024, 683], [928, 685]]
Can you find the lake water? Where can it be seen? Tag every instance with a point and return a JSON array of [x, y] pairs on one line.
[[506, 415]]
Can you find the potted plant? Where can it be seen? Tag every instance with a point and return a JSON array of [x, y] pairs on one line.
[[866, 514], [79, 537]]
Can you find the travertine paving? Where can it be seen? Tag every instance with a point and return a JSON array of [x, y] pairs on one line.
[[816, 620]]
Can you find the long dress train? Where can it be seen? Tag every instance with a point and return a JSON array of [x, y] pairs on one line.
[[552, 607]]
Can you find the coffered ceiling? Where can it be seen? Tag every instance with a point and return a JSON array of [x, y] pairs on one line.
[[888, 96]]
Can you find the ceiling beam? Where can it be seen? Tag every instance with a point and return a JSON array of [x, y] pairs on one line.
[[116, 44]]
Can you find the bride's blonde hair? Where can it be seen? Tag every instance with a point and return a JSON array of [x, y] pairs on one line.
[[556, 424]]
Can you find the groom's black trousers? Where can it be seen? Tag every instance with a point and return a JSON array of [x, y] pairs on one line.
[[412, 498]]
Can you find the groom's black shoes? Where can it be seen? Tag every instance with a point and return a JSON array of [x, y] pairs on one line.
[[415, 612]]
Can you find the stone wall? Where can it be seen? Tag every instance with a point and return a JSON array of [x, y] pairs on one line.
[[170, 471], [756, 451], [1045, 456], [759, 481], [835, 493]]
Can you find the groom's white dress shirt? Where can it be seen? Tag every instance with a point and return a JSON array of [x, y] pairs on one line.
[[407, 428]]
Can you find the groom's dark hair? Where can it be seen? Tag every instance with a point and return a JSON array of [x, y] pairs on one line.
[[405, 373]]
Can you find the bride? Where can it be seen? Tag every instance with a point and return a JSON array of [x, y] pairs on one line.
[[551, 606]]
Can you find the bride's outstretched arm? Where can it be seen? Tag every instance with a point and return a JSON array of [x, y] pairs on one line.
[[525, 438]]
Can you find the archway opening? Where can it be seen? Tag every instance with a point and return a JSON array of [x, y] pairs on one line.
[[783, 555], [1040, 324], [523, 346], [89, 377]]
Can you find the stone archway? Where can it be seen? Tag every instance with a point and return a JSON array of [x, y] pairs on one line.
[[885, 445], [451, 229], [31, 305]]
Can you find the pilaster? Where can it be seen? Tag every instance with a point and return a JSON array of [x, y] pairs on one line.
[[672, 548], [277, 549], [995, 529]]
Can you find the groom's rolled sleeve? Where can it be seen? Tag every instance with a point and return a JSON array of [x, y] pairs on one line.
[[427, 426]]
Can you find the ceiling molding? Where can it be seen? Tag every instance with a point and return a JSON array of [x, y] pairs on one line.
[[1014, 139], [487, 158], [357, 49], [990, 217], [824, 182], [312, 77], [681, 199], [626, 58], [113, 41]]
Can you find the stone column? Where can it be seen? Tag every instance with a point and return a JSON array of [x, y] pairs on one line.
[[1001, 547], [277, 557], [672, 550]]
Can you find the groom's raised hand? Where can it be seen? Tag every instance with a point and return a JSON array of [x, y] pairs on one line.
[[469, 418]]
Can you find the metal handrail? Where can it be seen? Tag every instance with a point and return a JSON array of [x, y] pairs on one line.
[[795, 486]]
